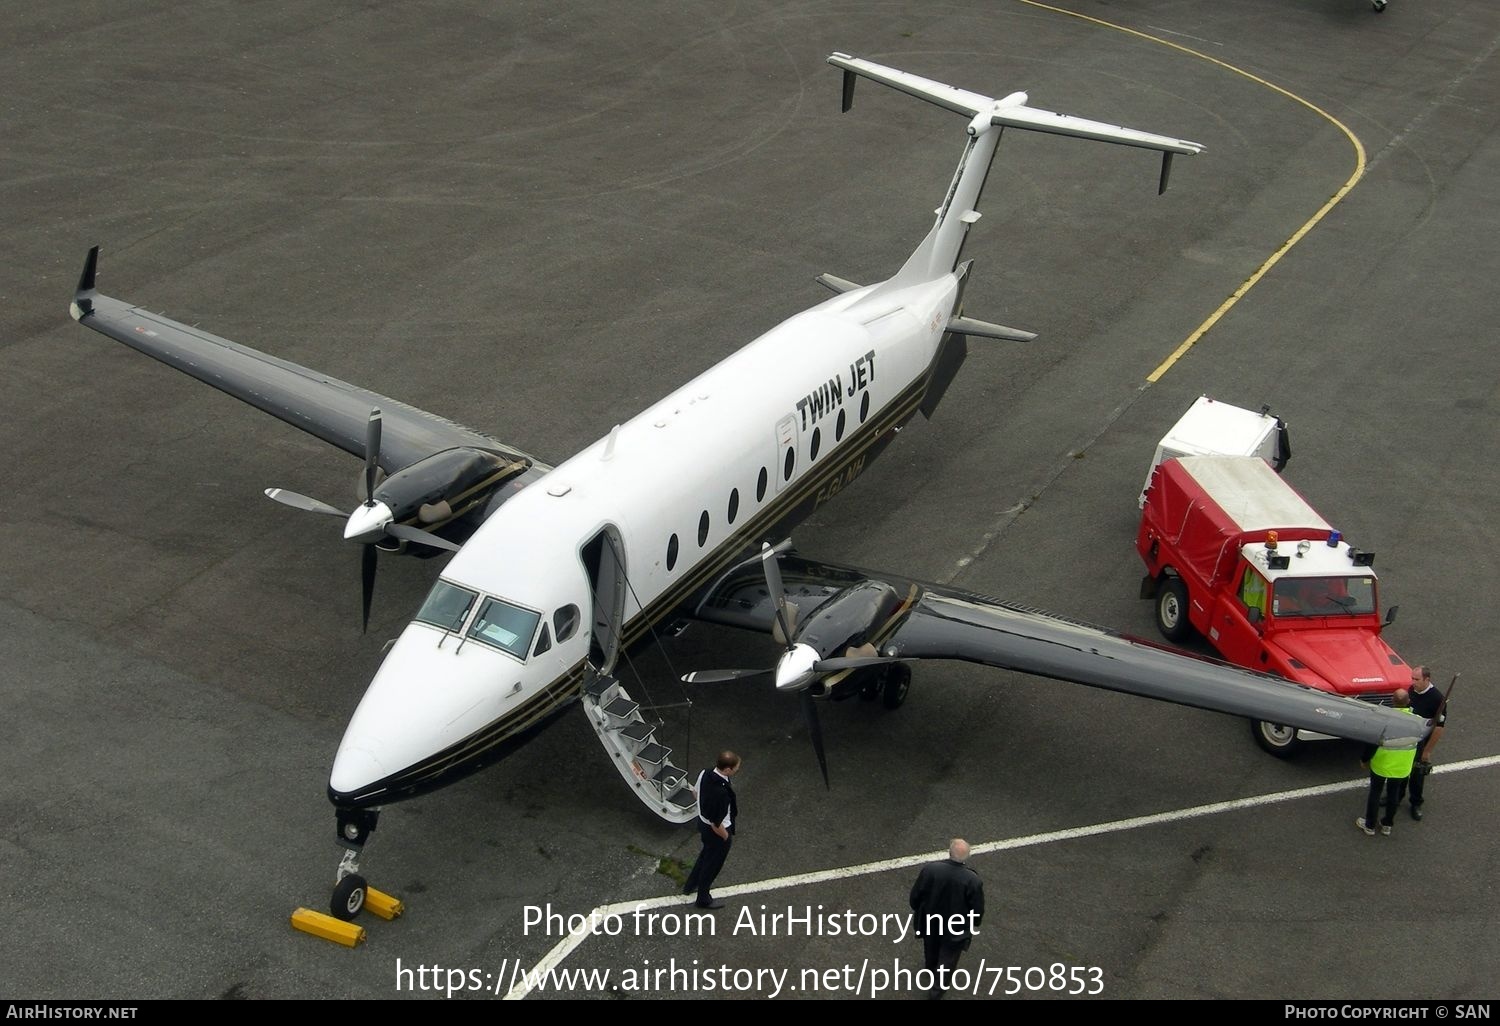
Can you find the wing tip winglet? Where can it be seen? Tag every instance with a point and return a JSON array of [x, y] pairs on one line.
[[83, 296], [841, 61]]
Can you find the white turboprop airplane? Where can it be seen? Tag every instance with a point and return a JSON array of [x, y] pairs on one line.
[[683, 512]]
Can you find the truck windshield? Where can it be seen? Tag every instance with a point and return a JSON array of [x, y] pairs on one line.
[[1324, 596]]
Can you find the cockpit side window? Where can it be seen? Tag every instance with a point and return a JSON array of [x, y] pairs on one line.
[[565, 622], [505, 626], [447, 606], [543, 642]]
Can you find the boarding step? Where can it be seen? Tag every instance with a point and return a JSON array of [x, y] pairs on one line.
[[638, 732], [670, 777], [640, 759], [652, 758], [686, 801], [622, 709], [597, 687]]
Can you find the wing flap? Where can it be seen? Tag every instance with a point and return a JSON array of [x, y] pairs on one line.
[[738, 597]]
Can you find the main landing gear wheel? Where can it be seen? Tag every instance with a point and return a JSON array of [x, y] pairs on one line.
[[1172, 609], [348, 897], [897, 684], [1278, 739]]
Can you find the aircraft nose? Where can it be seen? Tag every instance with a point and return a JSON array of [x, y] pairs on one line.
[[355, 768], [367, 522]]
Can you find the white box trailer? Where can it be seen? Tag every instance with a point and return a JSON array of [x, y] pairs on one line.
[[1212, 428]]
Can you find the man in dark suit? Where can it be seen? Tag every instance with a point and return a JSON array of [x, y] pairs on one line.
[[948, 900], [718, 813]]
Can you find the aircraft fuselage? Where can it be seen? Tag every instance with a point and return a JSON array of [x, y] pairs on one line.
[[683, 491]]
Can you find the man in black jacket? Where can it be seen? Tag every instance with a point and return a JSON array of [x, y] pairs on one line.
[[948, 900], [718, 812], [1430, 704]]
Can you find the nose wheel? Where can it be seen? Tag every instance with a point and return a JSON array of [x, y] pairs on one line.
[[348, 897]]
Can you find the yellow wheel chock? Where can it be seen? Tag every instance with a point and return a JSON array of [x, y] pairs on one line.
[[327, 927], [383, 905]]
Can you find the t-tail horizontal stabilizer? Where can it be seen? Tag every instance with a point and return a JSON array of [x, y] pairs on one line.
[[939, 252], [1010, 112]]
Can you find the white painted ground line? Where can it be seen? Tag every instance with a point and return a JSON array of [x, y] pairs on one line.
[[573, 941]]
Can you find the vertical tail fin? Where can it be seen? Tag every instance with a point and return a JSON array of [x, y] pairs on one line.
[[939, 252]]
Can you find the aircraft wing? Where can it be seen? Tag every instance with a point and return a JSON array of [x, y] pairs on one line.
[[325, 407], [940, 622]]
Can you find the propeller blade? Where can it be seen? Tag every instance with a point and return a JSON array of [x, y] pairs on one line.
[[815, 731], [303, 502], [723, 676], [372, 454], [776, 590], [852, 663], [367, 582], [415, 534]]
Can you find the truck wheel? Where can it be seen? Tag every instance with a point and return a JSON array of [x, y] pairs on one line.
[[1172, 609], [1281, 741]]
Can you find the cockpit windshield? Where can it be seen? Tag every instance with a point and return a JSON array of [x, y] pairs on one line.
[[447, 606], [505, 626], [1324, 596]]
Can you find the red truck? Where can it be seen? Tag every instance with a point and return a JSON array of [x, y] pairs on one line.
[[1235, 554]]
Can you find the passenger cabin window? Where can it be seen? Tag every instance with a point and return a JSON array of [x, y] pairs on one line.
[[505, 626], [447, 606], [565, 622], [543, 642]]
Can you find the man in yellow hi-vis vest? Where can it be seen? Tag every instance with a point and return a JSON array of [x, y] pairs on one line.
[[1389, 768]]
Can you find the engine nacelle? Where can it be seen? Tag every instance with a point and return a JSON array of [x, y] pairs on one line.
[[849, 621], [446, 485]]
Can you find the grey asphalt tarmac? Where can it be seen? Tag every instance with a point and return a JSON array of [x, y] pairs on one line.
[[535, 219]]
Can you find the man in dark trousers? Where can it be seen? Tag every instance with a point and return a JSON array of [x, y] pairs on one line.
[[1427, 702], [718, 813], [1389, 768], [948, 899]]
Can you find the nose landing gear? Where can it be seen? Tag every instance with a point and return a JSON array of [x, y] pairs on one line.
[[350, 889]]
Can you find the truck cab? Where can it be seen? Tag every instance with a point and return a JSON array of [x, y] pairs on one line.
[[1234, 554]]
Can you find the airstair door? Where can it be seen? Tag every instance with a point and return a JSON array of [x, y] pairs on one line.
[[604, 562]]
